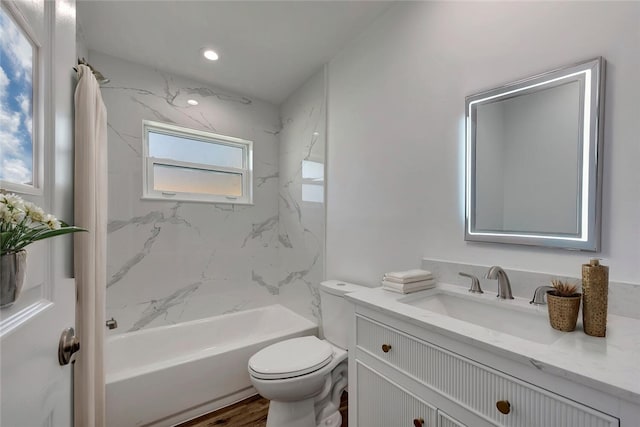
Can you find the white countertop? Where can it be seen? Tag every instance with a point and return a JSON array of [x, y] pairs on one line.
[[610, 364]]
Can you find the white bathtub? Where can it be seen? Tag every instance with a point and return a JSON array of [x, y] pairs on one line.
[[166, 375]]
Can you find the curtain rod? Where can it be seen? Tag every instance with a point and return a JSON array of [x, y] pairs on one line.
[[99, 77]]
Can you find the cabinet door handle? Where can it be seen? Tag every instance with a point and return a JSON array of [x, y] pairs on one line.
[[386, 348], [503, 406], [418, 422]]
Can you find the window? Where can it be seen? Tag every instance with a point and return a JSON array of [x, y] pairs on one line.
[[312, 181], [191, 165], [19, 160]]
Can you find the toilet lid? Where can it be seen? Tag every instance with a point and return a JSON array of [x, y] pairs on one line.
[[291, 358]]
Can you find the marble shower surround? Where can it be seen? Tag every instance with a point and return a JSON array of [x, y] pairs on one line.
[[170, 262], [301, 228]]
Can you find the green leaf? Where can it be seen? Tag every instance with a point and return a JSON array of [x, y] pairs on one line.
[[58, 232], [41, 234], [4, 238]]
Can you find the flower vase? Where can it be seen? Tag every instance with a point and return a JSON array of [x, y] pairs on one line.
[[12, 270]]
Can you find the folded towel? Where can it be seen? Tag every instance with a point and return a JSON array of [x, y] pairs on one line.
[[409, 274], [410, 287], [407, 291], [404, 281]]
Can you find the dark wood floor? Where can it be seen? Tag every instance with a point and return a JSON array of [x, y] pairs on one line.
[[251, 412]]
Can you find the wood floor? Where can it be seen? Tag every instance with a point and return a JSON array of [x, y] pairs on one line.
[[251, 412]]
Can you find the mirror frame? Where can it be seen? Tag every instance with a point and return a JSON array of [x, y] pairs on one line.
[[591, 75]]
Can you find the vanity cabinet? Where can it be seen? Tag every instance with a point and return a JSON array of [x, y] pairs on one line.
[[400, 378]]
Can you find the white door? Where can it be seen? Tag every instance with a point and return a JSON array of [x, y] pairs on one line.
[[35, 390]]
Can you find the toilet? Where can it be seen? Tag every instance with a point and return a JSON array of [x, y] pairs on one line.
[[305, 377]]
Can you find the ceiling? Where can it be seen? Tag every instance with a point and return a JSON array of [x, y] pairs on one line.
[[267, 48]]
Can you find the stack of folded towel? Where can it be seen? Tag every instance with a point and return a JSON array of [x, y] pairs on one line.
[[408, 281]]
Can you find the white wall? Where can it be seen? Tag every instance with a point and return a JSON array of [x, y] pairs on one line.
[[395, 118]]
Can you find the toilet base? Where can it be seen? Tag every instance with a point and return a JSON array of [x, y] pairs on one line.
[[299, 414], [333, 420], [291, 414]]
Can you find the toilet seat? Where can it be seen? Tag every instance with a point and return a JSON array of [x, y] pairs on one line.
[[291, 358]]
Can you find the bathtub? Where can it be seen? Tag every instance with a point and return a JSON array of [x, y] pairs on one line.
[[170, 374]]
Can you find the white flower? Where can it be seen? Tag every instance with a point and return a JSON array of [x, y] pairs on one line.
[[5, 213], [17, 216], [22, 221], [36, 214], [52, 222], [13, 201]]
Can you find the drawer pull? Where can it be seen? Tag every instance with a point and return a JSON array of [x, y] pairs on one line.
[[503, 406], [418, 422], [386, 348]]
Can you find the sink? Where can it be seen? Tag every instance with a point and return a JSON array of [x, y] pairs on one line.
[[512, 317]]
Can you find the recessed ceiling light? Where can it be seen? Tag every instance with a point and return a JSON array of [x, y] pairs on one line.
[[210, 55], [192, 102]]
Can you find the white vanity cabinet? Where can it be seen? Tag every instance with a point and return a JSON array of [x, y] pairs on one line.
[[400, 377]]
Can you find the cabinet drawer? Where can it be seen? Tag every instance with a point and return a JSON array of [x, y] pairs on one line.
[[445, 420], [472, 385], [382, 403]]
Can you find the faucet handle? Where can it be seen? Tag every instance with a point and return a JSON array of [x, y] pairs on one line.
[[538, 295], [475, 283]]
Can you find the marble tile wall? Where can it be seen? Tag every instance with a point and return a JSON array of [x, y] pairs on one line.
[[301, 234], [170, 262]]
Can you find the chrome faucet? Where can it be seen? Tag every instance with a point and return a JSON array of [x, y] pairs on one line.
[[538, 295], [504, 286]]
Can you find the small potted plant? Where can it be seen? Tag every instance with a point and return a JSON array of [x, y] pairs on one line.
[[564, 303], [22, 223]]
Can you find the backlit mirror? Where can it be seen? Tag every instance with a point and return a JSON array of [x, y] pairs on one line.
[[533, 160]]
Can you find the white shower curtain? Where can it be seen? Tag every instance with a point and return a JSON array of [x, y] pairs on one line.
[[90, 250]]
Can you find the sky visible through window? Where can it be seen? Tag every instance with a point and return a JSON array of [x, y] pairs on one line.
[[16, 99]]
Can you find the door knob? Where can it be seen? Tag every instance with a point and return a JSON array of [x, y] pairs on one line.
[[68, 345], [386, 348], [418, 422]]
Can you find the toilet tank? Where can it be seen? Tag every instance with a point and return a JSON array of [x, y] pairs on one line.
[[336, 311]]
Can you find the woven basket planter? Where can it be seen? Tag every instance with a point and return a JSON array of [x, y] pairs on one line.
[[563, 311]]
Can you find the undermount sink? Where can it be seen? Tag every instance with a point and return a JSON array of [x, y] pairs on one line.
[[512, 317]]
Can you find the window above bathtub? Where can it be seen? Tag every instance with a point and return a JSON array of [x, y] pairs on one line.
[[195, 166]]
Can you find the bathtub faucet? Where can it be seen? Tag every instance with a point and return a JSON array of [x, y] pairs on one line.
[[112, 323]]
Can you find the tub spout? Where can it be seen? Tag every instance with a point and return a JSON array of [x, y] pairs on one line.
[[112, 323]]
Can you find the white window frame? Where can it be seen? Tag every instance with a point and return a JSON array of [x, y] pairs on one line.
[[148, 192], [37, 110]]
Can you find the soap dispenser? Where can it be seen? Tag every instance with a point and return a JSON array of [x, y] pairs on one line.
[[595, 290]]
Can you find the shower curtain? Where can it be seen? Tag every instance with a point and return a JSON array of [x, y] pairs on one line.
[[90, 249]]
